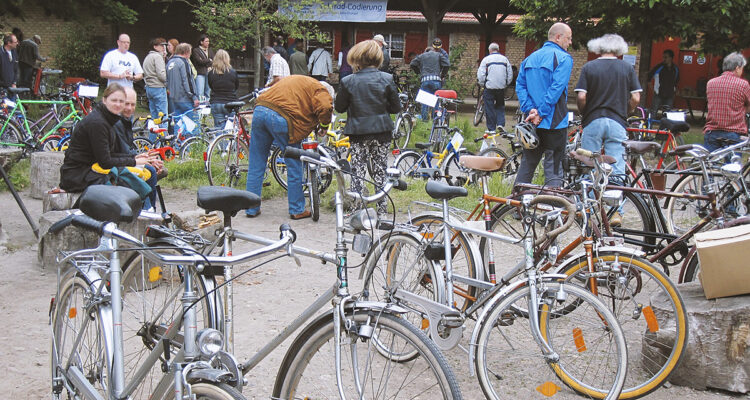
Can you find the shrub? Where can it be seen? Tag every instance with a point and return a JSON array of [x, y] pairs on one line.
[[80, 52]]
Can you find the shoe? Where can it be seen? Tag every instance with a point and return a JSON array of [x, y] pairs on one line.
[[252, 215], [615, 219], [489, 132], [302, 215]]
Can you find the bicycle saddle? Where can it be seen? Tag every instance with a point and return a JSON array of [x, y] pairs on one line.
[[674, 126], [234, 105], [482, 163], [446, 94], [18, 89], [587, 161], [632, 146], [225, 199], [110, 203], [440, 191], [423, 146]]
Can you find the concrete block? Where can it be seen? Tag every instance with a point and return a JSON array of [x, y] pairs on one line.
[[10, 156], [59, 201], [716, 355], [45, 172]]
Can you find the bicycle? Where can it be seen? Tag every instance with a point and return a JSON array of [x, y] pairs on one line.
[[411, 276], [360, 332], [414, 164], [404, 124], [96, 350]]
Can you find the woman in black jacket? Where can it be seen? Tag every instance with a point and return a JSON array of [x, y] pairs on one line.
[[368, 96], [93, 141], [223, 81]]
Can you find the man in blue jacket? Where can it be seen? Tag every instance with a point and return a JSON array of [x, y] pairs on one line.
[[9, 63], [542, 89]]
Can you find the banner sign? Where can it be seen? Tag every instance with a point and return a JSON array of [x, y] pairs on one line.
[[346, 11]]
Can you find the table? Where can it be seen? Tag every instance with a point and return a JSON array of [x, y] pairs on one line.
[[689, 100]]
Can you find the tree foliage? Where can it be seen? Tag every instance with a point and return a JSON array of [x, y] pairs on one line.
[[716, 26], [111, 11], [79, 52]]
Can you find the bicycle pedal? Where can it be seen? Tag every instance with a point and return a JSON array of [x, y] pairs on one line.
[[266, 184], [452, 321]]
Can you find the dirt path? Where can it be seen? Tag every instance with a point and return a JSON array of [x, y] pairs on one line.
[[266, 300]]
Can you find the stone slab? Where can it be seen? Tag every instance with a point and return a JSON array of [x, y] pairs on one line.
[[59, 201], [45, 172], [716, 356]]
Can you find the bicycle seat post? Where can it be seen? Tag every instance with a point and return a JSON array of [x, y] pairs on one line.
[[229, 288], [448, 254]]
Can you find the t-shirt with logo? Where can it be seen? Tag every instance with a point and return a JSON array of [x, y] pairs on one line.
[[116, 62]]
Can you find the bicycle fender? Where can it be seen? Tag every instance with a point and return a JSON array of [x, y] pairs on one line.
[[604, 249], [208, 375]]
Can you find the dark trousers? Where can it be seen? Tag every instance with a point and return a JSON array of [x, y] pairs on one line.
[[27, 71], [553, 140], [494, 108]]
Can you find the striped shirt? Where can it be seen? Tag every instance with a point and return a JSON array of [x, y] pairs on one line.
[[279, 67], [728, 97]]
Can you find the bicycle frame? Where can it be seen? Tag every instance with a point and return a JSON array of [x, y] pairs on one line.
[[18, 107]]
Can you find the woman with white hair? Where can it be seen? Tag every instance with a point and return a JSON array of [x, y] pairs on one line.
[[607, 90]]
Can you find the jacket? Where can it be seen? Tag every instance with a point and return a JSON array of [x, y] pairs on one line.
[[495, 72], [8, 68], [542, 84], [302, 101], [368, 97], [93, 141], [386, 65], [320, 62], [223, 86], [430, 65], [154, 70], [180, 82], [201, 62], [123, 130], [298, 63], [28, 53], [665, 79]]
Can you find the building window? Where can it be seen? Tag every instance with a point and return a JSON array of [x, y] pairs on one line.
[[327, 44], [395, 44]]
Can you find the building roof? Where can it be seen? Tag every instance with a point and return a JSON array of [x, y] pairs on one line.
[[450, 17]]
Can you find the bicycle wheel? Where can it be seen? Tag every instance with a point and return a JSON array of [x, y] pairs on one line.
[[52, 143], [479, 112], [11, 135], [402, 131], [649, 309], [75, 315], [408, 163], [510, 91], [313, 191], [192, 148], [278, 167], [215, 391], [308, 369], [684, 213], [692, 269], [464, 261], [495, 152], [635, 220], [142, 144], [455, 173], [227, 161], [588, 341]]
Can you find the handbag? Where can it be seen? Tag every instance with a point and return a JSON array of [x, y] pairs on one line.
[[126, 176]]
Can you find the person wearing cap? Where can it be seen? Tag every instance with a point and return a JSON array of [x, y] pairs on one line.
[[437, 45], [155, 77], [386, 57], [28, 55], [284, 115], [429, 66]]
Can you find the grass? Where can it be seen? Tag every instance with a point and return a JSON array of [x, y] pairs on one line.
[[19, 175]]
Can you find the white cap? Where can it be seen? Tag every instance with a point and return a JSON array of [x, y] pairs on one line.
[[379, 38]]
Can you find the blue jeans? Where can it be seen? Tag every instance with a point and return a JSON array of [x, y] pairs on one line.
[[182, 107], [150, 201], [711, 139], [220, 115], [268, 128], [429, 86], [494, 108], [201, 87], [157, 101], [607, 133]]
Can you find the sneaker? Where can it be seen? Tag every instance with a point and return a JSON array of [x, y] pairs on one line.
[[489, 132], [615, 219], [252, 215]]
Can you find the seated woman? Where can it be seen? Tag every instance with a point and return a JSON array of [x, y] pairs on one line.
[[93, 142]]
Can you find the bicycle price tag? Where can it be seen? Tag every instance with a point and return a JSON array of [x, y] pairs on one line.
[[9, 103], [151, 125], [229, 125], [484, 146], [88, 91], [457, 140], [678, 116], [204, 110], [571, 116], [426, 98]]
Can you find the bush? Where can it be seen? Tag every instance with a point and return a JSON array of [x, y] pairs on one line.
[[80, 52]]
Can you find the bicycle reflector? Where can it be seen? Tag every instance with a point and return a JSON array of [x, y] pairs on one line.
[[309, 145]]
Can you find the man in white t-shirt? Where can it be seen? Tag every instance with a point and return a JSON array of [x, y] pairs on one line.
[[120, 65]]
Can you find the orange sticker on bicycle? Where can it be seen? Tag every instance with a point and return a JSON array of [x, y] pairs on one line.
[[154, 274], [578, 339], [548, 389], [425, 323], [651, 321], [72, 312]]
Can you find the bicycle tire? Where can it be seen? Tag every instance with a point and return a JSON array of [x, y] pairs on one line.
[[215, 391], [11, 136], [455, 173], [314, 193], [402, 131], [510, 92], [142, 144], [193, 148], [463, 261], [69, 319], [479, 112], [505, 344], [52, 143], [408, 162], [428, 375], [636, 218], [277, 165], [227, 161], [629, 283], [692, 269], [683, 213]]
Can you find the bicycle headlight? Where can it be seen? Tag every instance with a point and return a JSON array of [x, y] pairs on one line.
[[210, 342]]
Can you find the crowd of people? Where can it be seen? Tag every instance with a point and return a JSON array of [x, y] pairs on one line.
[[299, 100]]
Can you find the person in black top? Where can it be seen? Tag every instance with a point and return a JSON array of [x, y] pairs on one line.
[[368, 96], [94, 141], [223, 81], [666, 75]]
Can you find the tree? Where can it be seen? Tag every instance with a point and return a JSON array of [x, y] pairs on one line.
[[111, 11], [234, 24], [717, 26]]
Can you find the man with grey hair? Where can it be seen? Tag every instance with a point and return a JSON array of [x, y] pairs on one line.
[[607, 90], [728, 97], [494, 74], [386, 57], [278, 69]]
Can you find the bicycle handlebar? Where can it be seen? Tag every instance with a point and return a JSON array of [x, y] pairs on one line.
[[561, 202]]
